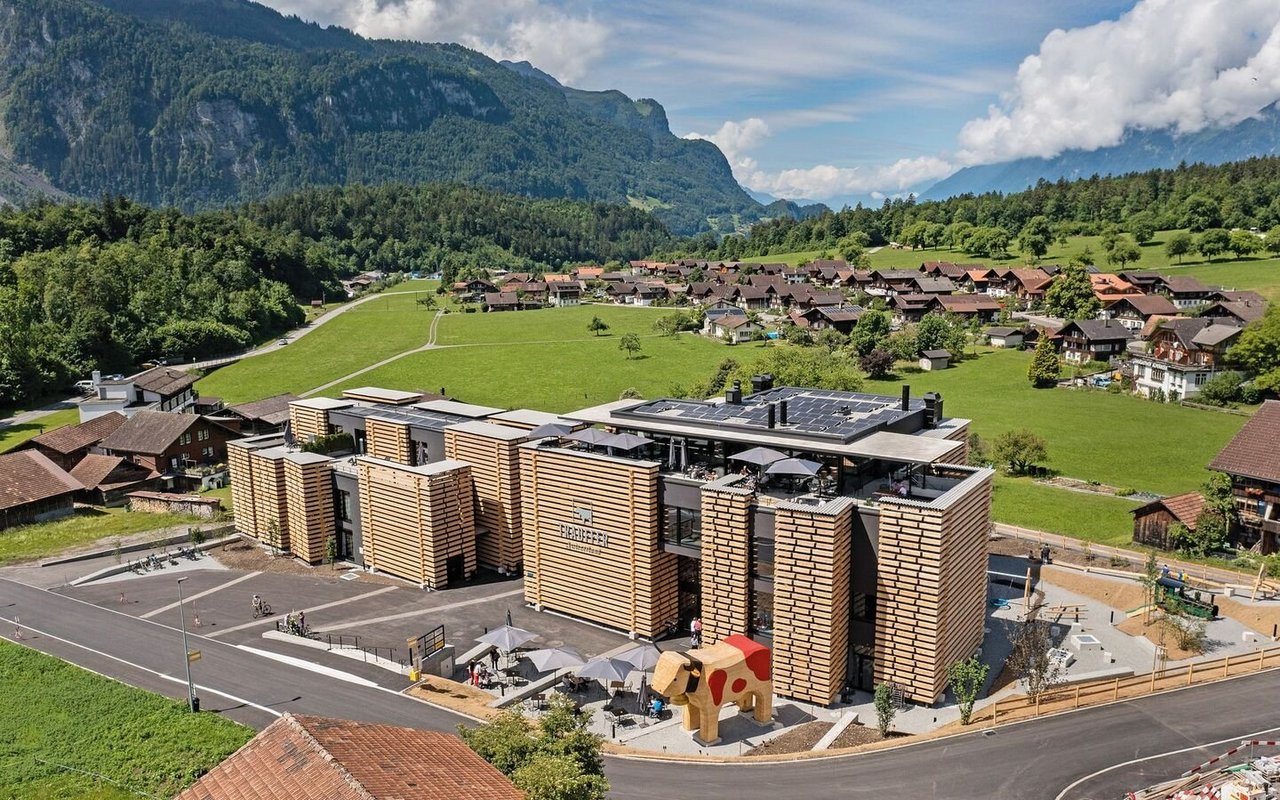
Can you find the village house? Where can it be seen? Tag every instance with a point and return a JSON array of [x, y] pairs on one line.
[[966, 306], [978, 280], [732, 328], [1240, 312], [170, 444], [909, 308], [1134, 310], [1027, 286], [1086, 340], [1151, 522], [1004, 337], [562, 294], [67, 445], [943, 269], [1250, 460], [1181, 355], [108, 480], [502, 301], [33, 489], [1109, 288], [261, 416], [890, 282], [473, 291], [157, 389], [1184, 290], [820, 318]]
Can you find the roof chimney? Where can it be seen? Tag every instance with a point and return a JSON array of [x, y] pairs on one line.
[[906, 397], [769, 415], [734, 395], [782, 412]]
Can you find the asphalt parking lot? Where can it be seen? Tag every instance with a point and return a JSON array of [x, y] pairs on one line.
[[382, 614]]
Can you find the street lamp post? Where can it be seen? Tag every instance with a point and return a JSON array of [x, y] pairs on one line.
[[192, 700]]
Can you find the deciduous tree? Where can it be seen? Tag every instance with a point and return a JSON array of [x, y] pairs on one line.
[[885, 708], [1178, 245], [1029, 657], [597, 326], [1244, 243], [877, 364], [630, 344], [1020, 450], [1071, 296], [1035, 237], [1213, 242], [966, 679]]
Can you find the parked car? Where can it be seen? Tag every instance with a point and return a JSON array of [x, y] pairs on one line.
[[282, 342], [84, 387]]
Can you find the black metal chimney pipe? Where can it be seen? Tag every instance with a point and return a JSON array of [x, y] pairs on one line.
[[906, 397], [782, 412], [769, 415]]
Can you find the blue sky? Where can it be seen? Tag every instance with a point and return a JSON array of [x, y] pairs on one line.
[[836, 99]]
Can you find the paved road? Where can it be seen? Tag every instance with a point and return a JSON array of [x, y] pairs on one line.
[[1028, 761], [34, 414]]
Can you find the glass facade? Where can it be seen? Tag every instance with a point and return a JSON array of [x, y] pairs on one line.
[[682, 526]]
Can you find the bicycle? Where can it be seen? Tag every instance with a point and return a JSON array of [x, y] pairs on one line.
[[261, 609]]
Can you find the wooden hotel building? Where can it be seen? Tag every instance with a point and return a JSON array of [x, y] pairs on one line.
[[861, 560]]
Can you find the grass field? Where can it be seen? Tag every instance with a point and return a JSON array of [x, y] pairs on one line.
[[368, 333], [46, 538], [1111, 438], [13, 435], [66, 722], [1022, 502], [547, 359]]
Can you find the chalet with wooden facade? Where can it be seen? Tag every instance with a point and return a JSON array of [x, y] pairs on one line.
[[1086, 340], [1180, 356], [1250, 459]]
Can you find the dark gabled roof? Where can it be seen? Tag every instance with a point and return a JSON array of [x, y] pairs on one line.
[[501, 299], [1147, 304], [272, 410], [1252, 453], [911, 301], [1244, 310], [70, 438], [1185, 508], [896, 274], [935, 285], [28, 476], [1238, 296], [961, 303], [149, 432], [936, 353], [95, 471], [840, 313], [1098, 329], [318, 758], [1184, 284], [164, 381], [1002, 331]]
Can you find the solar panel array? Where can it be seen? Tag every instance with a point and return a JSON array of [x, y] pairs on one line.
[[418, 418], [812, 411]]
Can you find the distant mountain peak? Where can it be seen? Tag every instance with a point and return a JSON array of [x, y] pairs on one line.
[[530, 71], [1139, 151]]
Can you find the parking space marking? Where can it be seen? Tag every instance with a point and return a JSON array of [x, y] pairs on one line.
[[205, 593], [268, 620], [418, 612]]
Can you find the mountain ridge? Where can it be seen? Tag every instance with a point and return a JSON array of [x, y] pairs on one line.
[[200, 103]]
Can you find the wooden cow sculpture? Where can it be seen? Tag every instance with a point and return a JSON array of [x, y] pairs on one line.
[[702, 680]]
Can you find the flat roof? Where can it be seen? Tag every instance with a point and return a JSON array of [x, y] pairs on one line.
[[434, 468], [525, 416], [379, 395], [412, 416], [490, 430], [304, 457], [907, 448], [322, 403], [459, 409]]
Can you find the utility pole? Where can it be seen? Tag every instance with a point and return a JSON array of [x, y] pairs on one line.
[[193, 702]]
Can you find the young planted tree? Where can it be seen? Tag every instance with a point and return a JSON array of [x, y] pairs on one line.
[[331, 551], [630, 344], [597, 326], [966, 679], [1029, 657], [885, 708], [1044, 368]]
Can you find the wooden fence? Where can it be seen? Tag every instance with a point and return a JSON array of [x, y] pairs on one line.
[[1079, 695]]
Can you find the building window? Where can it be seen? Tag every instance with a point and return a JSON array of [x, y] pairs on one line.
[[202, 435], [864, 606], [207, 452], [682, 526], [184, 439], [762, 558], [344, 506], [762, 614]]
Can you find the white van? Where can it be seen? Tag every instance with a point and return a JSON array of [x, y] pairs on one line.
[[84, 387]]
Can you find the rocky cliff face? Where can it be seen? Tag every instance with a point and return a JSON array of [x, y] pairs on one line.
[[204, 102]]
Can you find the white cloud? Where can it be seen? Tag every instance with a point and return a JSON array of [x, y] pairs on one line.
[[734, 140], [554, 40], [1166, 64], [825, 180]]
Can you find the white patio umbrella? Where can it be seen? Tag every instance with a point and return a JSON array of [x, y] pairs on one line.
[[759, 456], [643, 657], [606, 670], [507, 637], [794, 466], [549, 658]]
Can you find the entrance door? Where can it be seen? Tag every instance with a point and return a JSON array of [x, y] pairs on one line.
[[690, 583], [864, 670], [455, 570]]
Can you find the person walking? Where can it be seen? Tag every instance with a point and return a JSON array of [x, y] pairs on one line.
[[695, 631], [493, 659]]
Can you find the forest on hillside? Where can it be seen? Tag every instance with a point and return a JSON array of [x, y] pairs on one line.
[[1240, 195], [108, 285]]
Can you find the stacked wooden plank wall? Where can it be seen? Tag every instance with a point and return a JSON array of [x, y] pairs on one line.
[[241, 475], [448, 523], [931, 588], [270, 499], [309, 486], [626, 583], [495, 474], [959, 455], [812, 567], [410, 519], [308, 423], [388, 440], [726, 561]]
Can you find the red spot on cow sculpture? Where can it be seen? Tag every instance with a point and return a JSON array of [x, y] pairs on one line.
[[739, 684], [715, 681], [756, 654]]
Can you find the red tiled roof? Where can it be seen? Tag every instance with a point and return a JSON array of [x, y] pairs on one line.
[[28, 476], [317, 758], [1252, 452], [70, 438], [1185, 508]]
